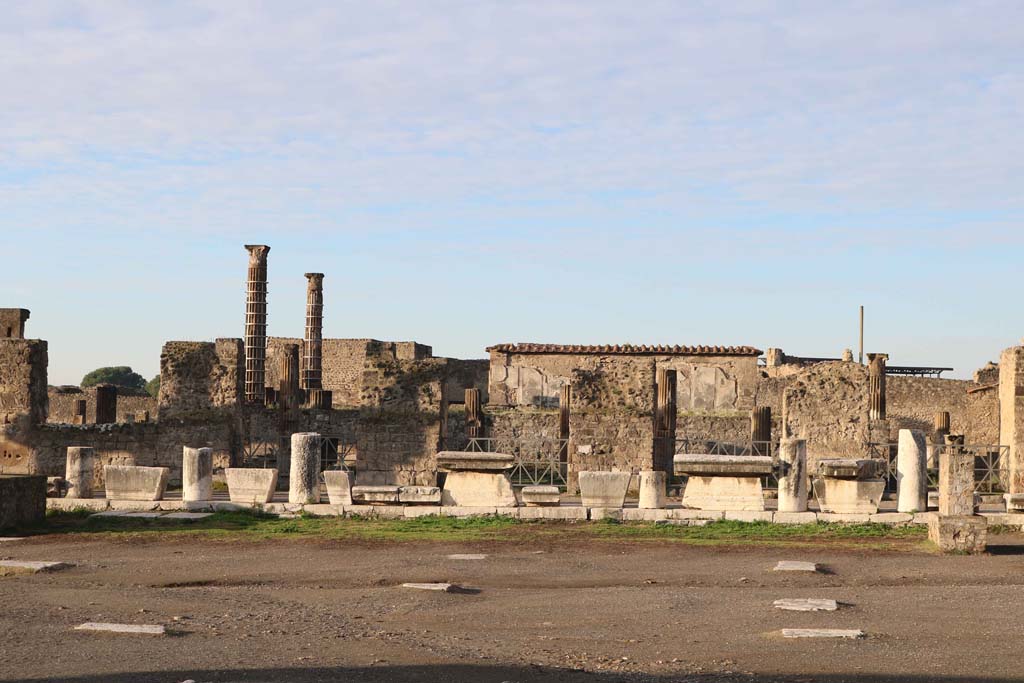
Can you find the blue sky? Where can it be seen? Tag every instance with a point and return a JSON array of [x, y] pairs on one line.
[[468, 173]]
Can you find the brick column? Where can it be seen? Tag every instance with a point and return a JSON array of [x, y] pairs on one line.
[[312, 345], [256, 324]]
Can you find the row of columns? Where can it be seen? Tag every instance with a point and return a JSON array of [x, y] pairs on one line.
[[305, 373]]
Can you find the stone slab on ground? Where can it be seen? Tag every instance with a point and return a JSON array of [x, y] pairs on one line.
[[188, 516], [795, 517], [110, 513], [438, 587], [144, 515], [849, 633], [467, 556], [11, 539], [30, 566], [540, 495], [561, 513], [133, 629], [806, 605], [749, 515], [795, 566]]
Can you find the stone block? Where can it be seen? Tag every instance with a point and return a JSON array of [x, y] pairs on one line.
[[822, 633], [844, 517], [173, 505], [419, 495], [795, 566], [806, 605], [466, 511], [30, 567], [652, 489], [464, 461], [375, 511], [196, 474], [131, 482], [722, 465], [422, 511], [848, 495], [477, 489], [1014, 502], [749, 515], [561, 513], [224, 506], [688, 513], [323, 510], [924, 517], [643, 514], [23, 500], [597, 514], [724, 493], [129, 629], [250, 484], [848, 468], [540, 495], [891, 518], [959, 533], [135, 505], [1011, 519], [507, 512], [339, 486], [956, 483], [282, 508], [604, 489], [375, 495], [69, 504], [795, 517]]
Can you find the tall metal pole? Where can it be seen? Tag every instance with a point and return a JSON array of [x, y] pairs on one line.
[[861, 336]]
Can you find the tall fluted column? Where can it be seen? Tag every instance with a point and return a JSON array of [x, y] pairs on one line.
[[876, 385], [312, 346], [256, 324], [288, 372]]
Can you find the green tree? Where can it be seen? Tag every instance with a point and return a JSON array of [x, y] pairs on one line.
[[153, 387], [122, 376]]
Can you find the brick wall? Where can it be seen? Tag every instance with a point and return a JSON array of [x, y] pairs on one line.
[[63, 401]]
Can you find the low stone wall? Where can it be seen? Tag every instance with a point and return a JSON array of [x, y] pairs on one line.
[[64, 400], [22, 500]]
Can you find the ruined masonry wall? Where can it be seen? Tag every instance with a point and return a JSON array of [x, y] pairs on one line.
[[63, 400], [23, 396]]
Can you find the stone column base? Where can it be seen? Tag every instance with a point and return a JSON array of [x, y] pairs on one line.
[[847, 496], [959, 534], [724, 493], [478, 489]]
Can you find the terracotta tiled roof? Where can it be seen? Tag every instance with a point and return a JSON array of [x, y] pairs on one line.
[[629, 349]]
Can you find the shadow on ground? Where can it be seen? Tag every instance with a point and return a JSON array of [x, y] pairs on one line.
[[487, 674]]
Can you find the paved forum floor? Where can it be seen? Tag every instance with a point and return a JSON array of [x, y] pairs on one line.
[[289, 610]]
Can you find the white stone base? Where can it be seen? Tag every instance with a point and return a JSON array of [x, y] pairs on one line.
[[250, 484], [339, 486], [604, 489], [724, 493], [478, 489], [848, 495], [128, 482]]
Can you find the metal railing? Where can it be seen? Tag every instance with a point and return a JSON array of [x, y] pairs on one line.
[[991, 465], [264, 452], [539, 461], [334, 451]]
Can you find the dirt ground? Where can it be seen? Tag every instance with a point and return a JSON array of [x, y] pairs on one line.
[[302, 610]]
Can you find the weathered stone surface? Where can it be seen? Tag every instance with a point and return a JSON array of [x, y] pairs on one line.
[[412, 511], [540, 495], [131, 629], [959, 533], [564, 512], [956, 483], [250, 484], [339, 486], [468, 511], [795, 566], [795, 517], [196, 474], [844, 517], [130, 482], [22, 500], [686, 513], [911, 471], [304, 476], [597, 514], [652, 489], [437, 587], [67, 504], [848, 468], [848, 495], [722, 465], [724, 493], [792, 475], [604, 489], [749, 515], [822, 633], [467, 556], [30, 567], [79, 471], [187, 516], [459, 461], [1014, 502], [806, 605], [144, 515], [478, 489], [419, 495], [375, 495]]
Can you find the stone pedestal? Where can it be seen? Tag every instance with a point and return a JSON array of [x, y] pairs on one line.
[[79, 471], [384, 494], [723, 482], [604, 489], [419, 495], [476, 479], [541, 496], [250, 485], [128, 482], [339, 486], [956, 482], [196, 474], [848, 495], [911, 472], [793, 475], [304, 473], [959, 533], [652, 490]]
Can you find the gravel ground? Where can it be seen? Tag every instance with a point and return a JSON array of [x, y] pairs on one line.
[[290, 610]]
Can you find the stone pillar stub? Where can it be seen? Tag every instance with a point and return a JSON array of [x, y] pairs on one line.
[[79, 471], [196, 474], [304, 472], [956, 479], [911, 471], [1011, 413], [793, 475], [876, 385], [652, 490]]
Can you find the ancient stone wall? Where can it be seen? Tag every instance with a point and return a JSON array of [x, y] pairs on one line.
[[199, 377], [12, 323], [913, 401], [64, 400], [22, 501], [23, 396]]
